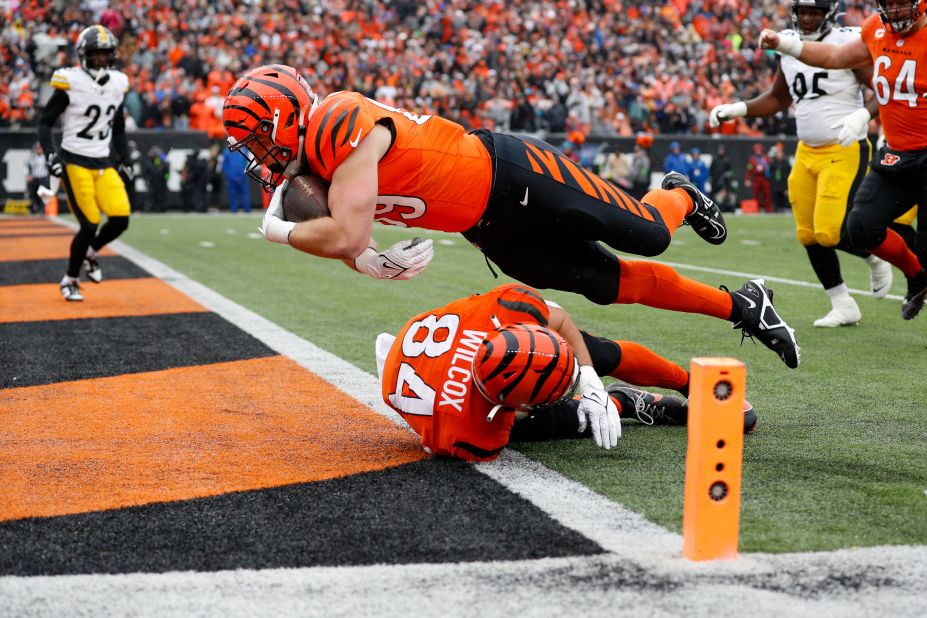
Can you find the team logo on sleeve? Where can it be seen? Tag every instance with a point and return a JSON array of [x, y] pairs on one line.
[[889, 159]]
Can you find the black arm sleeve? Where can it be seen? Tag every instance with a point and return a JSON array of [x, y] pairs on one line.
[[554, 423], [120, 141], [56, 105]]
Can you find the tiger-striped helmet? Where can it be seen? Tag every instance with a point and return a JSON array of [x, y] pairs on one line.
[[523, 366], [265, 115]]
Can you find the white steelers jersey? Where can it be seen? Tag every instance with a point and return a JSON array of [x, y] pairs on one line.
[[87, 122], [822, 97]]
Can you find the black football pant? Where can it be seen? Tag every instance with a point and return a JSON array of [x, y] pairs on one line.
[[546, 215]]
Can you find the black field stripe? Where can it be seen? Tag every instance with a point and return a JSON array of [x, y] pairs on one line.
[[49, 271], [321, 129], [372, 518], [351, 122], [250, 94], [61, 350]]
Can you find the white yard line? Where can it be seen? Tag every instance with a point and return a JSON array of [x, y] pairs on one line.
[[642, 573]]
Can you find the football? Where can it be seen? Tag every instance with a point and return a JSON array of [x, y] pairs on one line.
[[306, 198]]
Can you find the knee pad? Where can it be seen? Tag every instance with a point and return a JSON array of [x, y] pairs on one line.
[[806, 237], [861, 233], [827, 238]]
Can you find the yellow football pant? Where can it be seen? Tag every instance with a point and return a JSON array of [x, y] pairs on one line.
[[91, 191]]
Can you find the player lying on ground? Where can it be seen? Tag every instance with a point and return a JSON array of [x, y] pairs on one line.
[[528, 208], [481, 371]]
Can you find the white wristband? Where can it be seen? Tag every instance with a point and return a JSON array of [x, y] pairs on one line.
[[737, 110], [278, 230], [589, 380], [790, 45]]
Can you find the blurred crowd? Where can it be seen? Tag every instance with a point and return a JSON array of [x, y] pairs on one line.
[[607, 67]]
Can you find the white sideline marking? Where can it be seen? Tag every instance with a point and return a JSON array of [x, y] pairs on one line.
[[642, 573], [733, 273]]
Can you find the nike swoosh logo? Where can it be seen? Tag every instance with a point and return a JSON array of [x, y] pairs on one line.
[[748, 299], [354, 142], [524, 202]]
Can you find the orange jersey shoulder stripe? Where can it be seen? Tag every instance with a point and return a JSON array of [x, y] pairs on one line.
[[435, 175], [900, 83]]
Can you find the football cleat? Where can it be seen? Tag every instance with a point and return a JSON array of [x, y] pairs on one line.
[[650, 408], [92, 270], [706, 218], [71, 291], [845, 312], [880, 276], [655, 409], [760, 320], [914, 299]]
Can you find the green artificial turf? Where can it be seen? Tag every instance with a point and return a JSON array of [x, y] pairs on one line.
[[839, 458]]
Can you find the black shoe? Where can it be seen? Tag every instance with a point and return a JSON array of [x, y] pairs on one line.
[[759, 319], [706, 219], [914, 300], [92, 270], [650, 408], [655, 409]]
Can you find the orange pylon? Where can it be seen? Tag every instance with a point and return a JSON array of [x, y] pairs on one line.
[[714, 459]]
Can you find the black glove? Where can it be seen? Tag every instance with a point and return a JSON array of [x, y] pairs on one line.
[[55, 165], [127, 171]]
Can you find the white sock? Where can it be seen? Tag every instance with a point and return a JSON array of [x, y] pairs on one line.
[[838, 293], [66, 279], [91, 253]]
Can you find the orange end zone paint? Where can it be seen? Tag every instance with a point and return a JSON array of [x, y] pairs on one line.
[[714, 459], [184, 433], [120, 297]]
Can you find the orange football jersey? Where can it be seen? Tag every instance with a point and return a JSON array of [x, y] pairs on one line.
[[900, 83], [435, 175], [427, 373]]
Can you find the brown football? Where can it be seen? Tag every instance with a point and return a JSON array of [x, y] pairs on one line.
[[306, 198]]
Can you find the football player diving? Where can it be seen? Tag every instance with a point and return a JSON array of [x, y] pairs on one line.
[[88, 99], [530, 210], [481, 371], [832, 157]]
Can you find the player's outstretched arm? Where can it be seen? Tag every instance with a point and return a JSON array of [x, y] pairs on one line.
[[850, 55], [774, 100]]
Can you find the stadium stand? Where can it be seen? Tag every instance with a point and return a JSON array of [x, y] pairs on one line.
[[606, 68]]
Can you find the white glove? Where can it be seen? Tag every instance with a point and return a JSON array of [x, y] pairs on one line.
[[597, 410], [589, 380], [403, 260], [789, 45], [726, 111], [274, 227], [851, 126]]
